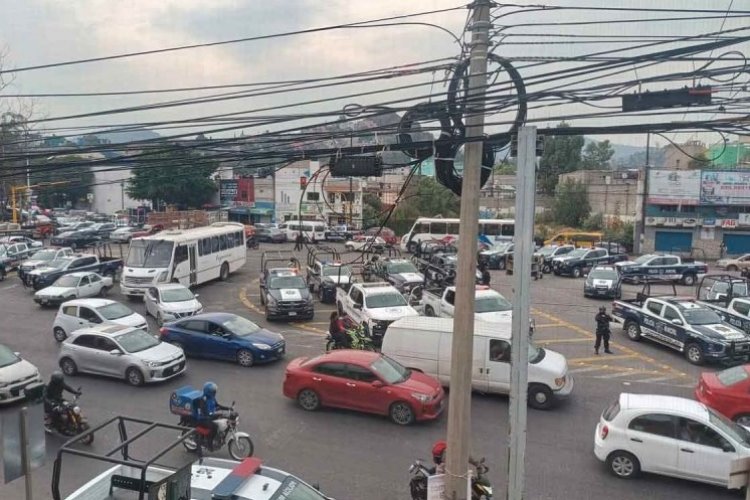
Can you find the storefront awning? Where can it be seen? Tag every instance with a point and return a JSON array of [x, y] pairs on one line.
[[241, 211], [261, 211]]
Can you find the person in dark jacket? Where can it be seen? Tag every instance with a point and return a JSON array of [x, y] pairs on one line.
[[337, 329], [53, 396], [298, 241], [208, 410], [485, 274], [602, 330]]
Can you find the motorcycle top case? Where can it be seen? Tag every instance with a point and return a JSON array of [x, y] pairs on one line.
[[184, 401]]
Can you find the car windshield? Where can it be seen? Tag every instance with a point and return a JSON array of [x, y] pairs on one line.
[[114, 311], [578, 252], [389, 370], [3, 250], [136, 341], [701, 317], [59, 263], [44, 255], [385, 300], [279, 282], [548, 250], [150, 253], [337, 270], [240, 326], [736, 432], [536, 354], [402, 267], [67, 281], [501, 248], [294, 489], [644, 258], [603, 274], [7, 357], [496, 303], [176, 295]]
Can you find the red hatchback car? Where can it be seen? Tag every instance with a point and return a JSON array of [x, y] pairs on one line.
[[727, 392], [364, 381]]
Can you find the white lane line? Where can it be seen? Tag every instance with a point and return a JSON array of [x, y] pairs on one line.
[[654, 379]]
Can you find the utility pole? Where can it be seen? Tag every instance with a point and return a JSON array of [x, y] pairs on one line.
[[519, 345], [644, 195], [459, 410]]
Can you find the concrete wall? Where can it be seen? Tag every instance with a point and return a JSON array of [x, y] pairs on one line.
[[611, 193], [109, 192]]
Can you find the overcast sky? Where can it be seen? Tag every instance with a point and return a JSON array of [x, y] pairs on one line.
[[47, 31]]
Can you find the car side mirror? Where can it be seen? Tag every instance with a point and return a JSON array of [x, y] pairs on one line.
[[727, 448], [357, 306], [196, 295], [377, 384], [115, 352], [18, 354], [677, 322]]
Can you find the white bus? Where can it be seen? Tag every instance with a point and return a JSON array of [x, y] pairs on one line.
[[307, 227], [186, 256], [425, 228]]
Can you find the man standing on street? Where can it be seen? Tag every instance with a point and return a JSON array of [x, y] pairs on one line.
[[298, 242], [602, 330]]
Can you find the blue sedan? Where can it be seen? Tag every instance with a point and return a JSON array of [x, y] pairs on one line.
[[224, 336]]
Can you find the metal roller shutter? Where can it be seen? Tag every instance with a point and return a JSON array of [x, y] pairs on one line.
[[673, 241], [737, 243]]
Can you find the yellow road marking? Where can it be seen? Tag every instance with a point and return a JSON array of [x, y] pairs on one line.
[[605, 357], [633, 353], [548, 325], [562, 341], [247, 302], [303, 326]]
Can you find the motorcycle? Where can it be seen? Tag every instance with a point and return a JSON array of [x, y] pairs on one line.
[[358, 339], [70, 421], [481, 489], [239, 444]]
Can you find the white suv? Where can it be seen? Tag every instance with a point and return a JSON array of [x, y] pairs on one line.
[[670, 436], [85, 313], [374, 305]]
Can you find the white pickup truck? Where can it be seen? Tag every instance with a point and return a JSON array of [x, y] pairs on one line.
[[489, 305]]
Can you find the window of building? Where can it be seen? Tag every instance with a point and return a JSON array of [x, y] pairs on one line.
[[313, 196]]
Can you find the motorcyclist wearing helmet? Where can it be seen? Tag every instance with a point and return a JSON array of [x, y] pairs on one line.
[[53, 395], [208, 408], [438, 456]]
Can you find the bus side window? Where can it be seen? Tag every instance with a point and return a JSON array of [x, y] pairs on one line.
[[180, 254], [421, 228], [490, 229], [453, 228], [214, 244], [508, 230], [438, 228]]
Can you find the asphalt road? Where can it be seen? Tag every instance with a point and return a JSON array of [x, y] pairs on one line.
[[355, 456]]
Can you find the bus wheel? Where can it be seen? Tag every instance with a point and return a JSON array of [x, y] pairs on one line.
[[224, 272]]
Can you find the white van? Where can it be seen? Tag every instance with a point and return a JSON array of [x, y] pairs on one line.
[[424, 344]]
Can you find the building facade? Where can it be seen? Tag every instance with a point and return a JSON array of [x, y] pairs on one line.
[[612, 193], [696, 211], [680, 156]]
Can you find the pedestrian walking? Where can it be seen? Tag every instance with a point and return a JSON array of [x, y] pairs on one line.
[[722, 250], [298, 242], [602, 330]]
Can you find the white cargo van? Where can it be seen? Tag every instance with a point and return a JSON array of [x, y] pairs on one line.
[[424, 344]]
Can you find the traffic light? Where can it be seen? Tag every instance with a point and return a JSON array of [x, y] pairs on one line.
[[678, 98]]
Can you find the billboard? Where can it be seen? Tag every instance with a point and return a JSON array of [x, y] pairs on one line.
[[722, 187], [228, 189], [674, 187]]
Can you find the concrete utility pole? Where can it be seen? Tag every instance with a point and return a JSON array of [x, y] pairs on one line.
[[644, 195], [459, 411], [519, 346]]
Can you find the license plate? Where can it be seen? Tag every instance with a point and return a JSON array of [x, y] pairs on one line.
[[45, 301], [292, 313]]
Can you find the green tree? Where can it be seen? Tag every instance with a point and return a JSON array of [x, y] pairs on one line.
[[571, 205], [424, 197], [177, 176], [372, 210], [596, 155], [73, 170], [562, 154]]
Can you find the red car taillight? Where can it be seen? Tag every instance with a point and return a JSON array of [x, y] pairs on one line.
[[604, 432]]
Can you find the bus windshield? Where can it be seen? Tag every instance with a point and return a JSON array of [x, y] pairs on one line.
[[150, 253]]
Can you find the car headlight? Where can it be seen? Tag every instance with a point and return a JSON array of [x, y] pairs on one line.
[[422, 398], [162, 276], [199, 311], [261, 346], [559, 382], [77, 410], [271, 300], [152, 364], [3, 385]]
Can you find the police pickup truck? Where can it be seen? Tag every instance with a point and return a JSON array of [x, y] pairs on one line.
[[44, 276], [401, 273], [672, 267], [581, 260], [729, 297], [682, 324]]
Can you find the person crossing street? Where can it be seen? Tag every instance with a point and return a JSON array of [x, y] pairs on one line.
[[602, 330]]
